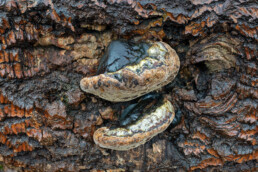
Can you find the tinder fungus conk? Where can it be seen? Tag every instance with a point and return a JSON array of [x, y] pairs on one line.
[[129, 70], [153, 120]]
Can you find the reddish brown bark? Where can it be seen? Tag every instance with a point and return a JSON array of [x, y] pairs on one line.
[[47, 47]]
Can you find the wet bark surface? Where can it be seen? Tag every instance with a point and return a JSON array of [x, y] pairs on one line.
[[48, 46]]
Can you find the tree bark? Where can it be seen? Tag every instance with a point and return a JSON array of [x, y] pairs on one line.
[[47, 47]]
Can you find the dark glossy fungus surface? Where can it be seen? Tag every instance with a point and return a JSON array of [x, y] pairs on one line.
[[177, 119], [121, 53], [144, 105]]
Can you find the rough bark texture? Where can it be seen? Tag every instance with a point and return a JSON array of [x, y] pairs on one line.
[[48, 46]]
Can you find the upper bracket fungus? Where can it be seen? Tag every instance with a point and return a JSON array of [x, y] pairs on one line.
[[129, 70]]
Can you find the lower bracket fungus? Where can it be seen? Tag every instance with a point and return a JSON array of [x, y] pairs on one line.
[[129, 70], [154, 120]]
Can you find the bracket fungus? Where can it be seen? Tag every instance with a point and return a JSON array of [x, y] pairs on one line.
[[129, 70], [126, 71], [153, 121]]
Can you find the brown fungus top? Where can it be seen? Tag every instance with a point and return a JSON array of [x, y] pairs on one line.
[[158, 67]]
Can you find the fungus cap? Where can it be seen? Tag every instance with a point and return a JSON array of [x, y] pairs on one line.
[[138, 133], [152, 72]]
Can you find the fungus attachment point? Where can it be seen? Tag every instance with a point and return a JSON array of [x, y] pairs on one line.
[[129, 70], [151, 123]]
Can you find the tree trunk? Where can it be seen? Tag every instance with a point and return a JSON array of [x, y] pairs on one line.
[[47, 47]]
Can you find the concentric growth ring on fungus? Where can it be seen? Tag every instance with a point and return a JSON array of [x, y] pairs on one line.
[[134, 135], [157, 66]]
